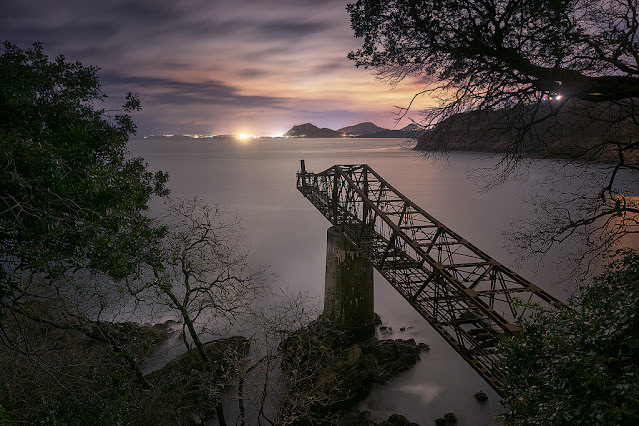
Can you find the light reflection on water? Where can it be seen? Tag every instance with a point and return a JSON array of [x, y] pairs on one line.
[[286, 232]]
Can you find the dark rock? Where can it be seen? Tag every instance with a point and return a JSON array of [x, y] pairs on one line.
[[423, 347], [332, 375], [364, 419], [393, 356], [187, 382], [440, 421], [398, 420], [356, 418], [386, 329], [481, 396], [139, 339], [450, 418], [349, 419], [378, 320], [402, 329]]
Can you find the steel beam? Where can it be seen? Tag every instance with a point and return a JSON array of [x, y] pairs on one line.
[[450, 282]]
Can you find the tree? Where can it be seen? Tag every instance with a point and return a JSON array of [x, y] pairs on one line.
[[70, 199], [204, 277], [204, 274], [580, 365], [72, 224], [531, 73]]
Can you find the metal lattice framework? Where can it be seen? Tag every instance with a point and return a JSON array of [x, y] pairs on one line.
[[468, 297]]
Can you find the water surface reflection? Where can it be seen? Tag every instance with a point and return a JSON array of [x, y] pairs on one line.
[[286, 232]]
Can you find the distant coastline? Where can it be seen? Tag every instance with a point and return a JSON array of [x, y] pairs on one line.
[[361, 130], [308, 130]]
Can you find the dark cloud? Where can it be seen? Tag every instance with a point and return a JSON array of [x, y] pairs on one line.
[[280, 28], [203, 58], [252, 73], [332, 66], [172, 92], [147, 11]]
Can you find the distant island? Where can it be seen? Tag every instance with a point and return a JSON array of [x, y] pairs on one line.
[[361, 130]]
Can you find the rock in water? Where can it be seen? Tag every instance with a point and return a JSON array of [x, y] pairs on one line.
[[328, 374], [481, 396]]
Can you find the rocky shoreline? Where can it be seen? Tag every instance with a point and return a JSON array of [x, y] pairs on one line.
[[329, 373]]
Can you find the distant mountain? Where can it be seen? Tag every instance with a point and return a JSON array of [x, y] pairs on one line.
[[308, 130], [412, 127], [360, 129]]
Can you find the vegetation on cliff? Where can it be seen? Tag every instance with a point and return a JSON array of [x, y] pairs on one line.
[[572, 134], [525, 78], [579, 365]]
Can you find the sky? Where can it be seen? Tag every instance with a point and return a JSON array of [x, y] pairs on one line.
[[217, 66]]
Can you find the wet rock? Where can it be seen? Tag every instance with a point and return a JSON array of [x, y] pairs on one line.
[[393, 357], [399, 420], [402, 329], [423, 346], [331, 376], [364, 419], [356, 418], [139, 339], [188, 383], [481, 396], [384, 329], [450, 418], [440, 421]]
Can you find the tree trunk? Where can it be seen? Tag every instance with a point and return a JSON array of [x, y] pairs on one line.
[[219, 410], [189, 324], [194, 336]]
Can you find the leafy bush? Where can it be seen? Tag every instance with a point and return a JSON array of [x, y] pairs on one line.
[[71, 197], [579, 365]]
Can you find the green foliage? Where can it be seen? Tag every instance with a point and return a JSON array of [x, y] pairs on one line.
[[4, 417], [72, 208], [580, 366], [70, 197]]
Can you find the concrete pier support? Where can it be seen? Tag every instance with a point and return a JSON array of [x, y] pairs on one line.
[[348, 289]]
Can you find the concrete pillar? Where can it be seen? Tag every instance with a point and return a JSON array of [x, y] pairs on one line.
[[348, 289]]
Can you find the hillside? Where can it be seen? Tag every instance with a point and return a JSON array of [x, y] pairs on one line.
[[309, 130], [570, 133], [365, 128], [408, 132]]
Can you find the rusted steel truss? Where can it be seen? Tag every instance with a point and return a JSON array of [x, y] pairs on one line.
[[467, 296]]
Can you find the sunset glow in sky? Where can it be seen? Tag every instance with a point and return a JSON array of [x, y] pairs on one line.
[[216, 66]]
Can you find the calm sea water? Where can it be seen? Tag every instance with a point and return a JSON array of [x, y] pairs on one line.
[[256, 178]]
